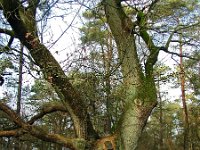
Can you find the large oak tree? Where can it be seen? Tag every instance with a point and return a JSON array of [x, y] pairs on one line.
[[138, 79]]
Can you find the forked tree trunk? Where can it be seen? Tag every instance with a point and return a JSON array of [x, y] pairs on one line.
[[140, 87], [133, 122]]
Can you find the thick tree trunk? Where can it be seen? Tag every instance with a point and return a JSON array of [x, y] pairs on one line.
[[140, 88], [133, 122]]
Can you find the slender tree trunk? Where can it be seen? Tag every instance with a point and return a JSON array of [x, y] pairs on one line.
[[185, 111], [160, 114], [107, 64], [161, 123], [19, 94]]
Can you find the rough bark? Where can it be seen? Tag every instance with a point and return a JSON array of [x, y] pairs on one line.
[[22, 20], [23, 24], [140, 87]]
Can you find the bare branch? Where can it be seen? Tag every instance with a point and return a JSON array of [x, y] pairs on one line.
[[8, 32], [37, 131], [177, 54], [182, 27], [152, 5], [49, 108], [169, 40], [12, 115]]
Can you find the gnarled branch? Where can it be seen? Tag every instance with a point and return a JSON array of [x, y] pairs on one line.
[[24, 26], [46, 109], [37, 131]]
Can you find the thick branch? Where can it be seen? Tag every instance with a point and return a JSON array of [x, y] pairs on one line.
[[12, 115], [36, 131], [154, 50], [73, 144], [8, 32], [46, 110], [122, 28], [9, 133], [33, 6], [8, 46]]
